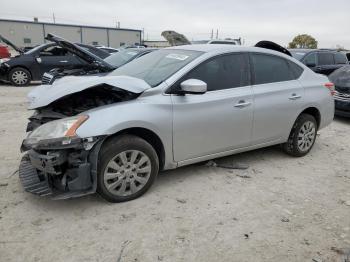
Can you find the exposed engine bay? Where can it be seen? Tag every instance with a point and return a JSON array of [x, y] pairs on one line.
[[49, 78], [79, 102]]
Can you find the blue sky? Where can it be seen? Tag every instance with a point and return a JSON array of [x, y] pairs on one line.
[[253, 20]]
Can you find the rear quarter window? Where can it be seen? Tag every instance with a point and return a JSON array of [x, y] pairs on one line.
[[340, 58], [297, 70]]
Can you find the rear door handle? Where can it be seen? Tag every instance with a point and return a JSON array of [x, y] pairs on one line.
[[64, 61], [294, 97], [242, 104]]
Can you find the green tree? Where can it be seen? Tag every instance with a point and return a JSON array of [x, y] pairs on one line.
[[303, 41]]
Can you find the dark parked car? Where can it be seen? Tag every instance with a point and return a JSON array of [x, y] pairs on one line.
[[341, 80], [94, 65], [31, 65], [127, 55], [322, 61]]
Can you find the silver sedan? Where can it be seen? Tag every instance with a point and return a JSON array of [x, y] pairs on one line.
[[173, 107]]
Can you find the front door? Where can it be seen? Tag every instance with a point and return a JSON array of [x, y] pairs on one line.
[[219, 120], [54, 57]]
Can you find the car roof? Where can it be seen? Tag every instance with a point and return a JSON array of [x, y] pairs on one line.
[[213, 48], [304, 50]]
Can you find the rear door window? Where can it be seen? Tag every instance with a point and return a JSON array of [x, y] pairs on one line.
[[340, 58], [325, 59], [270, 69], [222, 72]]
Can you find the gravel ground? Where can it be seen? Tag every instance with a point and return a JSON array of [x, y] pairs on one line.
[[279, 209]]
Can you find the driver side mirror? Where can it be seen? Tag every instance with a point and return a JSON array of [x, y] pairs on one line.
[[193, 86]]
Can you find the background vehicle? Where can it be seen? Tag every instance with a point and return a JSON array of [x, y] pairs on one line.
[[4, 52], [114, 133], [321, 61], [341, 80], [219, 41], [110, 50], [31, 65], [127, 55]]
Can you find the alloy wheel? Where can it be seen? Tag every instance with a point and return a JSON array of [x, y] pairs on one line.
[[306, 136], [127, 173]]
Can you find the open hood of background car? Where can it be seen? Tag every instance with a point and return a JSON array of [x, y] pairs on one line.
[[8, 42], [80, 52], [46, 94], [273, 46]]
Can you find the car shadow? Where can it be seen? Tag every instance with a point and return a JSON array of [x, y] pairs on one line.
[[341, 119], [166, 179], [32, 84]]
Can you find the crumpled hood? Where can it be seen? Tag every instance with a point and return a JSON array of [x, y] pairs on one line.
[[46, 94]]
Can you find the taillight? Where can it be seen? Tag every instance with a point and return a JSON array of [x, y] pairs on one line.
[[331, 88]]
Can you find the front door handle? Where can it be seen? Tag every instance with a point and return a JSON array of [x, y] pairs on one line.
[[294, 97], [64, 61], [242, 104]]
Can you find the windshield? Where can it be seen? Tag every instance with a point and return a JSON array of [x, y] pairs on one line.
[[122, 57], [34, 49], [157, 66], [297, 54]]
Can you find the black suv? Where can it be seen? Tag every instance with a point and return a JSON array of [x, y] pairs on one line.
[[322, 61]]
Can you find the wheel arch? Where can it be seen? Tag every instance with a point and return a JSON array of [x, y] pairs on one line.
[[148, 135], [313, 111], [19, 66]]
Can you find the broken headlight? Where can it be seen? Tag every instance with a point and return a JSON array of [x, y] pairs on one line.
[[63, 128]]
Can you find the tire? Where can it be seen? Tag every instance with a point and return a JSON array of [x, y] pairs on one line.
[[302, 134], [19, 76], [128, 166]]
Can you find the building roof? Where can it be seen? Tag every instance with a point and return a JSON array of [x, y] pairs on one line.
[[69, 25]]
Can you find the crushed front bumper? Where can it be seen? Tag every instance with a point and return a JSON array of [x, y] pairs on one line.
[[61, 172]]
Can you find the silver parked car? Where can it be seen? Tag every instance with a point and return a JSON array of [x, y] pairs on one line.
[[173, 107]]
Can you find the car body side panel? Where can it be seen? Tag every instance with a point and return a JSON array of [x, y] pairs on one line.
[[318, 96], [274, 110], [212, 122], [150, 112]]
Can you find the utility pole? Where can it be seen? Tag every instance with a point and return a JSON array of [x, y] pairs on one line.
[[54, 18]]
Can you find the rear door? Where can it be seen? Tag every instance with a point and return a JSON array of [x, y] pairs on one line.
[[278, 96], [326, 63], [219, 120]]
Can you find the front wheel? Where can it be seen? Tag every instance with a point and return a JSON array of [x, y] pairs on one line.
[[128, 167], [19, 76], [302, 137]]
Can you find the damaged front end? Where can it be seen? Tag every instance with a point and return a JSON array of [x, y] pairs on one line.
[[57, 161], [61, 168], [76, 103]]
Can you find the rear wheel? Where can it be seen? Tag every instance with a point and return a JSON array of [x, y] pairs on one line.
[[19, 76], [302, 137], [128, 168]]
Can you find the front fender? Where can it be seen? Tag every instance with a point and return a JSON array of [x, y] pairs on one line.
[[153, 113]]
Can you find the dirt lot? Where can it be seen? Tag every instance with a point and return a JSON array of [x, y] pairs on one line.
[[279, 209]]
